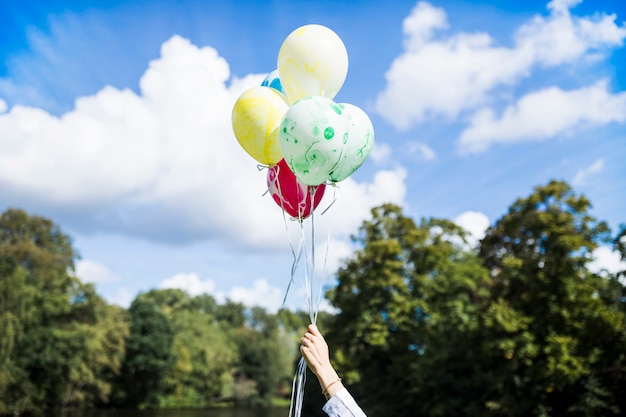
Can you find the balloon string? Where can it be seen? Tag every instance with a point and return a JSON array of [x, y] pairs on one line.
[[297, 390], [307, 269], [336, 194], [261, 167], [296, 254], [312, 307], [299, 381]]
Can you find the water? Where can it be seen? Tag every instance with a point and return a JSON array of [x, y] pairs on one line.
[[212, 412]]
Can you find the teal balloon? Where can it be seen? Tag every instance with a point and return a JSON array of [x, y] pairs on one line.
[[359, 143], [312, 138], [273, 80]]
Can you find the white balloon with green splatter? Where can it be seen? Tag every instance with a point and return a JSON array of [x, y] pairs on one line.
[[312, 138], [359, 143]]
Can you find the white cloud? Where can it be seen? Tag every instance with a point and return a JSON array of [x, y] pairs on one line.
[[122, 298], [355, 201], [446, 74], [562, 37], [262, 294], [581, 176], [475, 223], [422, 23], [3, 106], [162, 164], [605, 259], [94, 272], [543, 114], [190, 283]]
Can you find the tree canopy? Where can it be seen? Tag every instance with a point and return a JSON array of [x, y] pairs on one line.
[[60, 340], [518, 326], [427, 324]]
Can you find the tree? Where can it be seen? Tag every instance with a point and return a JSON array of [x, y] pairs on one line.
[[231, 314], [428, 326], [615, 292], [611, 372], [148, 355], [395, 297], [204, 352], [560, 337], [60, 339], [265, 358], [14, 297]]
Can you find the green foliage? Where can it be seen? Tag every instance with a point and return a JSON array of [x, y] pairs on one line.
[[59, 338], [63, 346], [202, 350], [206, 353], [537, 254], [396, 298], [148, 355], [428, 326], [266, 354]]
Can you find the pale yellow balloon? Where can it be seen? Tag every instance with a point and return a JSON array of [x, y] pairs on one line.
[[312, 61], [256, 119]]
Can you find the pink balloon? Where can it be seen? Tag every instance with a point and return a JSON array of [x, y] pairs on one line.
[[290, 194]]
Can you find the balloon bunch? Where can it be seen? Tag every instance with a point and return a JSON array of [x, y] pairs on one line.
[[291, 124]]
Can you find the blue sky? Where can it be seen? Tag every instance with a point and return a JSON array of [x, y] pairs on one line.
[[115, 123]]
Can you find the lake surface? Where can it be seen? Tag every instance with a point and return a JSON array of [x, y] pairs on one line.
[[212, 412]]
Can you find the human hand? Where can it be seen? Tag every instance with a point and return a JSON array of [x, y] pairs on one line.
[[315, 352]]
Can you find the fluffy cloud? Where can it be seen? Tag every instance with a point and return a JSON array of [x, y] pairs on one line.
[[262, 294], [160, 164], [447, 75], [190, 283], [564, 38], [544, 114], [94, 272], [606, 260], [123, 297], [475, 223]]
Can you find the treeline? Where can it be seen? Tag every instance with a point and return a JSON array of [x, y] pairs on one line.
[[62, 345], [428, 325]]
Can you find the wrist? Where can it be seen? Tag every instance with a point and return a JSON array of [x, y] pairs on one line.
[[331, 389], [330, 382], [327, 376]]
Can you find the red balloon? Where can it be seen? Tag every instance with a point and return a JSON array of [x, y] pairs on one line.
[[290, 194]]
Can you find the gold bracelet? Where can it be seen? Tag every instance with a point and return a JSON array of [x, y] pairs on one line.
[[325, 390]]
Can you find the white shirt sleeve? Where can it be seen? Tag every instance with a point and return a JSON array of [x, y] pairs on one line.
[[343, 405]]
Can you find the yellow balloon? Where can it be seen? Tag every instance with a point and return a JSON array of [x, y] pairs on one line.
[[256, 119], [312, 61]]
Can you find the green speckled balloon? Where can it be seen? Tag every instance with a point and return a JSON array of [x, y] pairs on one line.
[[312, 138], [359, 144]]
